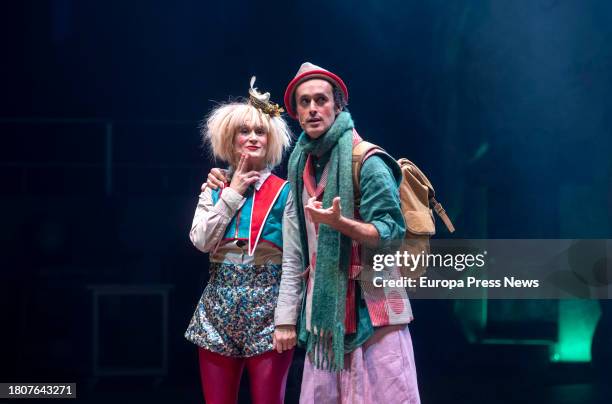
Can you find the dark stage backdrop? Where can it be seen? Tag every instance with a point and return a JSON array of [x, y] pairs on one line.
[[504, 104]]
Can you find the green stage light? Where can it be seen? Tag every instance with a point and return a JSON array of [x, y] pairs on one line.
[[577, 322]]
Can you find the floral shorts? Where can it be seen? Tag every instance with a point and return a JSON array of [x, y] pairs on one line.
[[235, 315]]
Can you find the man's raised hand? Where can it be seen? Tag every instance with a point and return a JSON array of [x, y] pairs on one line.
[[330, 216]]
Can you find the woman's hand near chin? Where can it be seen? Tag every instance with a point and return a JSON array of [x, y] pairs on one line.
[[243, 178]]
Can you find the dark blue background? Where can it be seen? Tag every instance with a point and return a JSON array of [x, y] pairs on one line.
[[505, 105]]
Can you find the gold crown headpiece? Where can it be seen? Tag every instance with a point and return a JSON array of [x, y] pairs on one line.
[[262, 101]]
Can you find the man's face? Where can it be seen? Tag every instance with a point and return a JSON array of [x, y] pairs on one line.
[[315, 107]]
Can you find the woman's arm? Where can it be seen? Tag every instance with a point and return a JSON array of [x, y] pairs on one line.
[[210, 221], [290, 291]]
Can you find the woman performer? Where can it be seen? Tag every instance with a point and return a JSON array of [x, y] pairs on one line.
[[250, 229]]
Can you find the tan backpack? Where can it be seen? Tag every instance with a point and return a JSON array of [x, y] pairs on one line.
[[417, 197]]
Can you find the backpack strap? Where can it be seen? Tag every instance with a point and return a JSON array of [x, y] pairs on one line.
[[361, 151], [437, 207]]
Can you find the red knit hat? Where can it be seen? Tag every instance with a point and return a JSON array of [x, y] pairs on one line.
[[309, 71]]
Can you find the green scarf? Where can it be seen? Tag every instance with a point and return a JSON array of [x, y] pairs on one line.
[[333, 248]]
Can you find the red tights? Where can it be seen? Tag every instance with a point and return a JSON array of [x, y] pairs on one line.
[[267, 373]]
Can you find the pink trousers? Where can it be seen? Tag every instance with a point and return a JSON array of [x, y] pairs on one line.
[[380, 371], [267, 373]]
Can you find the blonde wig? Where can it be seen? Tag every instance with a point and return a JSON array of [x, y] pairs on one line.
[[224, 121]]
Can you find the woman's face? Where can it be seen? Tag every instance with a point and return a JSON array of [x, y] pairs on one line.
[[251, 140]]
